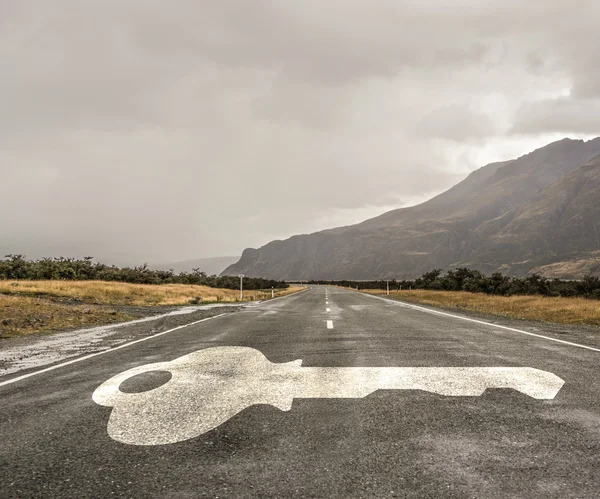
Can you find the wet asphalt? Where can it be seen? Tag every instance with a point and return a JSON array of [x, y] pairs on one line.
[[395, 443]]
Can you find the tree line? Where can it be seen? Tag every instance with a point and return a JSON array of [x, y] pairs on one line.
[[465, 279], [72, 269]]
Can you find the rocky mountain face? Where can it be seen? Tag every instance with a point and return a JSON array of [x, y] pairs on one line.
[[555, 232], [516, 216]]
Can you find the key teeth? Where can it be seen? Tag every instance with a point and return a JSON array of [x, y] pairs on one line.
[[547, 394], [294, 363], [543, 394], [447, 392], [284, 405]]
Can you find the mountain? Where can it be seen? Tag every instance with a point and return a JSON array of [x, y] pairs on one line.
[[557, 232], [479, 223], [212, 266]]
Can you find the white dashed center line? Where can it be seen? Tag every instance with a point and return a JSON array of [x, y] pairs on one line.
[[328, 309], [329, 324]]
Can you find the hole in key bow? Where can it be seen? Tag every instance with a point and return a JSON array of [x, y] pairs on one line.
[[145, 382]]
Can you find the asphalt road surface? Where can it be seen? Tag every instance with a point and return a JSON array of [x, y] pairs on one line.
[[388, 401]]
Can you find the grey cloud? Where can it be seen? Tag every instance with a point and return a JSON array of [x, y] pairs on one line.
[[148, 131], [563, 115], [457, 123]]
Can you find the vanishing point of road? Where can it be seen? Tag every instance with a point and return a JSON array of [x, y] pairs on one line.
[[430, 431]]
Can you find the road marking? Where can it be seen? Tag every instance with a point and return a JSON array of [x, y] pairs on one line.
[[269, 300], [89, 356], [210, 386], [431, 311], [328, 310], [329, 324], [85, 357]]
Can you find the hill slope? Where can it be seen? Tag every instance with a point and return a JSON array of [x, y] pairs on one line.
[[461, 226], [559, 227]]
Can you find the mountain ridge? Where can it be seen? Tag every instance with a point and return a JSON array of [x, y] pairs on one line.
[[448, 230]]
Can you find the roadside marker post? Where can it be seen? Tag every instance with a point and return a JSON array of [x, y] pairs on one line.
[[241, 287], [388, 288]]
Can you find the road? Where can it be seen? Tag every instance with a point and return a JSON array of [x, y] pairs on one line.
[[71, 432]]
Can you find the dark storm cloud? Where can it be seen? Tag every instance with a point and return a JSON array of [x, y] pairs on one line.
[[140, 130]]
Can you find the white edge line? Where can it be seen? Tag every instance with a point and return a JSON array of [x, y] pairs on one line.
[[96, 354], [432, 311], [89, 356], [269, 300]]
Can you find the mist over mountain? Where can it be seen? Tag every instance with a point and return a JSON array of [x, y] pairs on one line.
[[211, 266], [539, 210]]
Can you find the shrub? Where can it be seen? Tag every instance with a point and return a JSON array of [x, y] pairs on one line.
[[18, 267], [464, 279]]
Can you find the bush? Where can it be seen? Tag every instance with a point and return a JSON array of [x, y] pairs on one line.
[[71, 269], [464, 279]]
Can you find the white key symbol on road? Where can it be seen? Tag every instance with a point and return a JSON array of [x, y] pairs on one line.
[[210, 386]]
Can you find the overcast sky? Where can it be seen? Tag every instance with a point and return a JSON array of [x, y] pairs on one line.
[[148, 130]]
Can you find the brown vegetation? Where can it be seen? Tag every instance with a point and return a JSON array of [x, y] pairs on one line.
[[540, 308], [570, 268], [46, 306], [21, 315], [119, 293]]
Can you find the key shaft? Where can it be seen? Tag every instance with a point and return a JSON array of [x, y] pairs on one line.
[[357, 382]]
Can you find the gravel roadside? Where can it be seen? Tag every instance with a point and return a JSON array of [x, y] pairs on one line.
[[19, 355]]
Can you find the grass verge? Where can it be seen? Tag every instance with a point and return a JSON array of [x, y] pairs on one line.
[[539, 308], [22, 315], [46, 306], [119, 293]]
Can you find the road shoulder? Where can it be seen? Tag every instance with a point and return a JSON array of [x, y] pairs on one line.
[[584, 335], [19, 356]]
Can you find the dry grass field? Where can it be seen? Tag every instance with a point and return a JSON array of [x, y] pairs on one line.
[[540, 308], [119, 293], [45, 306], [21, 315]]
